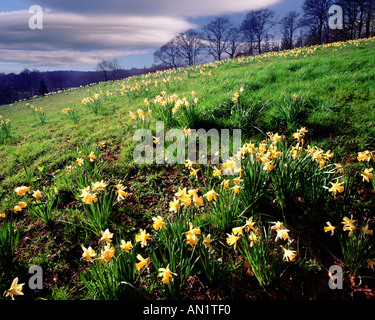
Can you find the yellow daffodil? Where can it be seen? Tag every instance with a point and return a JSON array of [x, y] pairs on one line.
[[187, 132], [329, 227], [253, 238], [191, 235], [92, 156], [297, 135], [349, 225], [185, 201], [88, 254], [37, 194], [107, 253], [336, 187], [366, 230], [194, 172], [142, 262], [79, 161], [166, 273], [121, 194], [193, 192], [188, 163], [211, 195], [106, 236], [22, 190], [217, 172], [158, 223], [17, 209], [198, 201], [370, 264], [228, 165], [289, 255], [364, 156], [236, 189], [303, 130], [238, 230], [232, 240], [224, 184], [15, 289], [142, 237], [237, 181], [126, 246], [98, 186], [268, 166], [174, 205], [207, 241], [87, 196], [249, 224], [367, 175], [22, 204], [282, 234]]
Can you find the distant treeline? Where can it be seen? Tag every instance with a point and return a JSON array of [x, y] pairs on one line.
[[317, 22], [30, 83]]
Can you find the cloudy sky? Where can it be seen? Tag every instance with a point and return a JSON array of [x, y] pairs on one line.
[[76, 34]]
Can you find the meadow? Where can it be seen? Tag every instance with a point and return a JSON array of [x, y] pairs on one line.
[[101, 226]]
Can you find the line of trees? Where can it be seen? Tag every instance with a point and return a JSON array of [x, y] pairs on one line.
[[30, 83], [262, 31]]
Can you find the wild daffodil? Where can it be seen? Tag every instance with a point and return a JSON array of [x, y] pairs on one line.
[[232, 240], [22, 190], [106, 236], [336, 187], [142, 237], [126, 246], [367, 175], [158, 223], [88, 254], [211, 195], [207, 241], [107, 253], [37, 194], [282, 234], [15, 289], [87, 196], [289, 255], [329, 227], [174, 205], [142, 262], [191, 235], [166, 273]]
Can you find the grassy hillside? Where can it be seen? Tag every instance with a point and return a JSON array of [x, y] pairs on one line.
[[329, 90]]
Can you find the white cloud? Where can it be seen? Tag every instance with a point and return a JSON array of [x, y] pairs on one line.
[[69, 38], [86, 31], [175, 8]]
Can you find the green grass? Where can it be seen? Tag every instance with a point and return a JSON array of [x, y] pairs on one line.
[[334, 99]]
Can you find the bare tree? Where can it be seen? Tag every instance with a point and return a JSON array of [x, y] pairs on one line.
[[217, 35], [358, 17], [169, 55], [248, 31], [190, 46], [256, 26], [233, 41], [288, 25], [369, 17], [263, 24], [315, 18], [110, 69]]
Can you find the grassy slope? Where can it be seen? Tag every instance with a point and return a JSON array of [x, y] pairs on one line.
[[337, 82]]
